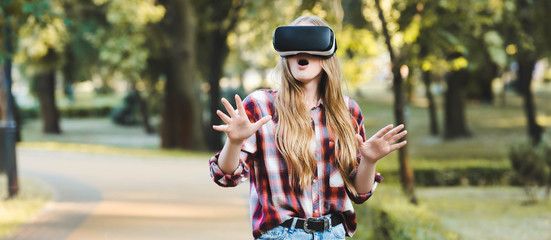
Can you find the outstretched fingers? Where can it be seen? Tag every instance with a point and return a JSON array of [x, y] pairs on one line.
[[223, 116], [397, 146], [393, 132], [240, 107], [229, 108], [398, 136], [381, 133], [220, 128]]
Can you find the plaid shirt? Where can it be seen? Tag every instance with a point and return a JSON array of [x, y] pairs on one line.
[[272, 200]]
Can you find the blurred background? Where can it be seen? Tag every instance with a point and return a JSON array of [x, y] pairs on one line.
[[471, 79]]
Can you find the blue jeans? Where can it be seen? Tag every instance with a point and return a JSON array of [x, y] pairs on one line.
[[282, 233]]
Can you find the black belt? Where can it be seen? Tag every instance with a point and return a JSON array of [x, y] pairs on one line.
[[314, 224]]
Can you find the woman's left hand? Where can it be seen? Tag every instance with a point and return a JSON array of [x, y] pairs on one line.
[[382, 143]]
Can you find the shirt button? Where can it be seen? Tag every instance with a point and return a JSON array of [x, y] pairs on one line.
[[314, 181]]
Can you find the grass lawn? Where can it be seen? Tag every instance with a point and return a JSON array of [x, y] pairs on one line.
[[488, 212], [32, 197], [475, 212]]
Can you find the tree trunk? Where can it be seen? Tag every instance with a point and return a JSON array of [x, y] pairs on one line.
[[406, 173], [181, 125], [218, 53], [526, 67], [8, 126], [17, 118], [454, 112], [219, 18], [46, 96], [433, 120]]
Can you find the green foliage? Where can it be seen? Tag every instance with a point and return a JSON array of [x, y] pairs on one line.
[[122, 42], [531, 165], [523, 25], [453, 172], [15, 15], [40, 37], [395, 218], [474, 176], [356, 49]]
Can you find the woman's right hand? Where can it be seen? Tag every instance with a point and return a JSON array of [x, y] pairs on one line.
[[238, 127]]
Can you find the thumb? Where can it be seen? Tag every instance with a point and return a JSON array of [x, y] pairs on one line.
[[360, 139]]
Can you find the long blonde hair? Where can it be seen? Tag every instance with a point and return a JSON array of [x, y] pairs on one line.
[[294, 130]]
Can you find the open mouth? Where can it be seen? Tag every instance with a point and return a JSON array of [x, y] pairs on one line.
[[302, 62]]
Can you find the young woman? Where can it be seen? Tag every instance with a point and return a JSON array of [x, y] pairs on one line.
[[303, 147]]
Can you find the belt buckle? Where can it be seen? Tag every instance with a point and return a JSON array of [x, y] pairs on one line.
[[308, 230]]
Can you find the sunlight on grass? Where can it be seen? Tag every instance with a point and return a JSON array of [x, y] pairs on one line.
[[544, 120], [32, 197], [474, 212], [488, 212]]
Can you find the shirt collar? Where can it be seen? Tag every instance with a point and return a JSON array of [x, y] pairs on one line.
[[319, 104]]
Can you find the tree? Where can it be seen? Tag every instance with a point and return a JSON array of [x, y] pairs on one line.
[[41, 40], [12, 14], [420, 18], [456, 40], [7, 123], [216, 21], [454, 106], [441, 50], [406, 172], [181, 125], [122, 43], [83, 20], [524, 30]]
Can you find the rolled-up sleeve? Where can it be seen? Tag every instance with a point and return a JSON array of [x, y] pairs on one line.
[[240, 174], [361, 198]]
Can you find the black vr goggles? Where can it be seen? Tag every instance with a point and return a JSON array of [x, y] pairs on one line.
[[314, 40]]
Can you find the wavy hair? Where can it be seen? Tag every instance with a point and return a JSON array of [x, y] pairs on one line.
[[294, 130]]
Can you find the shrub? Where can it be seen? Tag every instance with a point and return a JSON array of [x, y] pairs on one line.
[[396, 218], [532, 166], [474, 176], [456, 172]]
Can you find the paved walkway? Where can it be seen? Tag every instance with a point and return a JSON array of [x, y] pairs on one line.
[[114, 197]]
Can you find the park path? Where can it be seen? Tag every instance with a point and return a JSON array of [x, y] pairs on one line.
[[120, 197]]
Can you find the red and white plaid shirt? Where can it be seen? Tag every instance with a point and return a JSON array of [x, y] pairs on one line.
[[272, 200]]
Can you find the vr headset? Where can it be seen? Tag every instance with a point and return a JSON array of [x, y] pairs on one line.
[[314, 40]]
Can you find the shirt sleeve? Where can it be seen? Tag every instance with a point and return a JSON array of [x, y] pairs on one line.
[[356, 112], [240, 174], [361, 198]]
